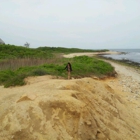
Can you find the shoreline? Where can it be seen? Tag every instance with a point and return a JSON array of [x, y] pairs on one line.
[[128, 79], [91, 54], [100, 55], [122, 61], [124, 57]]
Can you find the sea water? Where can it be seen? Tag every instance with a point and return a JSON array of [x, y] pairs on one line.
[[132, 55]]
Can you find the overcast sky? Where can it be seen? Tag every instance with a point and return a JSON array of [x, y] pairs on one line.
[[86, 24]]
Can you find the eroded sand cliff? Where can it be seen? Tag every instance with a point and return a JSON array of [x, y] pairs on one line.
[[78, 109]]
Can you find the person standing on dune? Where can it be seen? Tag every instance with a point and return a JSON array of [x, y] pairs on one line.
[[69, 69]]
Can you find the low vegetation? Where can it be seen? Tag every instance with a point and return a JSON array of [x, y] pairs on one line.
[[17, 63], [12, 51]]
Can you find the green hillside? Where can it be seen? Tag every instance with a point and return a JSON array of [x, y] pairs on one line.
[[12, 51], [17, 63]]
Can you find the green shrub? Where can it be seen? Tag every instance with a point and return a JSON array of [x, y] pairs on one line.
[[39, 72], [5, 75], [16, 80], [87, 66]]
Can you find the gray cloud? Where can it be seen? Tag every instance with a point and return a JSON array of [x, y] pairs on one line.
[[82, 23]]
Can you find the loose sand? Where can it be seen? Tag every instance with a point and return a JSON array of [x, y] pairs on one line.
[[78, 109]]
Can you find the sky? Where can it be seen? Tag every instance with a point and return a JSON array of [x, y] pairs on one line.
[[85, 24]]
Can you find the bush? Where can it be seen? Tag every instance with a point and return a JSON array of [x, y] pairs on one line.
[[16, 80], [87, 66], [6, 75], [38, 72]]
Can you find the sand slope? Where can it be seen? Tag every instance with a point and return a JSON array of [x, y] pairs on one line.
[[78, 109]]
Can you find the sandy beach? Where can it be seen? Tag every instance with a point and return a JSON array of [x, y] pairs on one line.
[[90, 54], [76, 109]]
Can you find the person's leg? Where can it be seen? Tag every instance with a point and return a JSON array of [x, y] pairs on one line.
[[69, 75]]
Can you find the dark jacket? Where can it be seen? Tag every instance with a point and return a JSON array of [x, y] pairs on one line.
[[68, 67]]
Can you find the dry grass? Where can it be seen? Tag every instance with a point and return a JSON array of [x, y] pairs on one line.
[[13, 64]]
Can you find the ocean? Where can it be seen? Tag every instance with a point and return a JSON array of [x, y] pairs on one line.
[[132, 55]]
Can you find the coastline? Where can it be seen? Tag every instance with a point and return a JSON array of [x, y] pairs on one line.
[[127, 77], [129, 56], [90, 54], [122, 61], [100, 55]]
